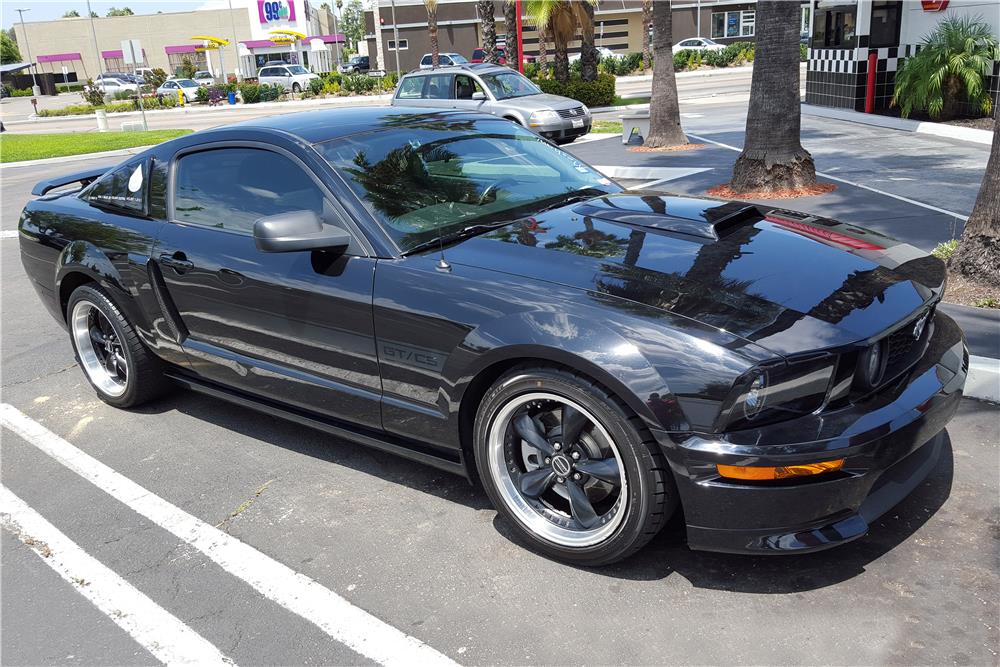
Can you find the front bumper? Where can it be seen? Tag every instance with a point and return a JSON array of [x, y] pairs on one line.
[[890, 443], [564, 128]]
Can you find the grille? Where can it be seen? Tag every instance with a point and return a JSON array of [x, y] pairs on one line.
[[570, 113], [902, 348]]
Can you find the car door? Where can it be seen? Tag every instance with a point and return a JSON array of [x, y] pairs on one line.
[[285, 76], [294, 327], [464, 95], [266, 76]]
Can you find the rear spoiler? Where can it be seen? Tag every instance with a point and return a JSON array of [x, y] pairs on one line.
[[81, 177]]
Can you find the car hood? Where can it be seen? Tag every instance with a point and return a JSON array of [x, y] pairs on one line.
[[541, 101], [787, 281]]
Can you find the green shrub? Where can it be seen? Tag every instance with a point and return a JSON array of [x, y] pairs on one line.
[[201, 95], [599, 93], [945, 250], [70, 110], [21, 92], [270, 93], [74, 87], [91, 94], [123, 95], [389, 82], [359, 83], [951, 67], [250, 93], [332, 77], [331, 87], [531, 70], [316, 86], [803, 52]]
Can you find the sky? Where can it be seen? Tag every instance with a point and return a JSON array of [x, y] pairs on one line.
[[45, 10]]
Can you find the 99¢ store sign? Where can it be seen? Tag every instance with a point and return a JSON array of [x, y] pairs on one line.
[[275, 11]]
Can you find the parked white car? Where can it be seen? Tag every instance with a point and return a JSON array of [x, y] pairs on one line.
[[204, 77], [602, 51], [294, 78], [173, 86], [110, 86], [444, 60], [697, 44]]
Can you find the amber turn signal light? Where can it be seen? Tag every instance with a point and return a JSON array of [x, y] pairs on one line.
[[779, 472]]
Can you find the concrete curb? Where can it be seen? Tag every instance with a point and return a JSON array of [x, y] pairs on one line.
[[75, 158], [984, 379], [905, 125], [354, 100]]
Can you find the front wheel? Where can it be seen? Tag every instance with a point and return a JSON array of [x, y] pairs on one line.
[[296, 88], [570, 467]]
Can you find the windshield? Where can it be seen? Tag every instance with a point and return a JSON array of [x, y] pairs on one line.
[[297, 69], [458, 59], [509, 84], [187, 83], [427, 179]]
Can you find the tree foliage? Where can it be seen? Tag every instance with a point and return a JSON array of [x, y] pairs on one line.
[[124, 11], [352, 23], [559, 20], [71, 14], [952, 64], [9, 53]]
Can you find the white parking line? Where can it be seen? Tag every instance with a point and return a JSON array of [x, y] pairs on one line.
[[929, 207], [159, 632], [659, 174], [345, 623]]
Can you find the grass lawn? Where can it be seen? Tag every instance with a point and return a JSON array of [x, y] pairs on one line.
[[19, 147], [613, 126], [625, 101]]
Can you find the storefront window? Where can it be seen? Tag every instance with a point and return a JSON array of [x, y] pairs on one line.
[[886, 16], [836, 22], [733, 24]]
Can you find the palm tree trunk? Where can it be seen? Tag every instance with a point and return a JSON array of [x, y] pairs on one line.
[[561, 62], [664, 107], [510, 23], [588, 51], [543, 56], [488, 20], [647, 18], [978, 252], [432, 31], [773, 157]]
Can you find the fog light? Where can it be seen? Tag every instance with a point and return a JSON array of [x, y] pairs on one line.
[[779, 472]]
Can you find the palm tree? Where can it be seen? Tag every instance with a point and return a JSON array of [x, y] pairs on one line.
[[432, 28], [955, 59], [647, 18], [559, 19], [588, 50], [510, 23], [488, 20], [664, 107], [773, 157], [543, 54], [978, 253]]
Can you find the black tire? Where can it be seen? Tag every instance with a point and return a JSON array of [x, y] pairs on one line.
[[648, 495], [145, 379], [296, 88], [565, 141]]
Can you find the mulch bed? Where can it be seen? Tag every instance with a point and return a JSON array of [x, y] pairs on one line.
[[965, 292], [725, 192], [665, 149]]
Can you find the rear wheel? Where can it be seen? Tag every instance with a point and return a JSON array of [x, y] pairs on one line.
[[296, 88], [570, 467], [123, 372]]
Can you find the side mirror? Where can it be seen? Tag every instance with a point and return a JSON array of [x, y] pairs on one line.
[[298, 230], [479, 95]]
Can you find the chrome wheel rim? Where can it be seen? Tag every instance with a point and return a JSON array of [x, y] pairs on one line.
[[101, 352], [557, 469]]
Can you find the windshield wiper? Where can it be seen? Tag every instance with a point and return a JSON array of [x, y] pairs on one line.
[[456, 236], [573, 198]]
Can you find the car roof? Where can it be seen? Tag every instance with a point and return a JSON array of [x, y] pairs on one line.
[[326, 124], [477, 68]]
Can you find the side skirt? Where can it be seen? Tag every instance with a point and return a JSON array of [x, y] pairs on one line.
[[447, 460]]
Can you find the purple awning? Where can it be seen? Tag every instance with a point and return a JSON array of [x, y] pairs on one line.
[[59, 57], [329, 39], [258, 43], [180, 48], [116, 54]]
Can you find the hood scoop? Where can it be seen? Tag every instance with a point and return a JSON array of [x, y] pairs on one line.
[[702, 218]]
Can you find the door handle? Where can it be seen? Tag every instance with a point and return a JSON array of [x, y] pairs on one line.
[[177, 261]]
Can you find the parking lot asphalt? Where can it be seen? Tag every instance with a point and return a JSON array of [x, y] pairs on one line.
[[424, 553]]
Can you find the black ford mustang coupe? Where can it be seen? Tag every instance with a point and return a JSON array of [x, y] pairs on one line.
[[450, 287]]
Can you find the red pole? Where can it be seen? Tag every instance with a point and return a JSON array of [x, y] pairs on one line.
[[870, 83], [520, 38]]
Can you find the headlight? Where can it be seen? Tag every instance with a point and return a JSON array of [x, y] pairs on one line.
[[775, 392], [542, 117], [586, 110]]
